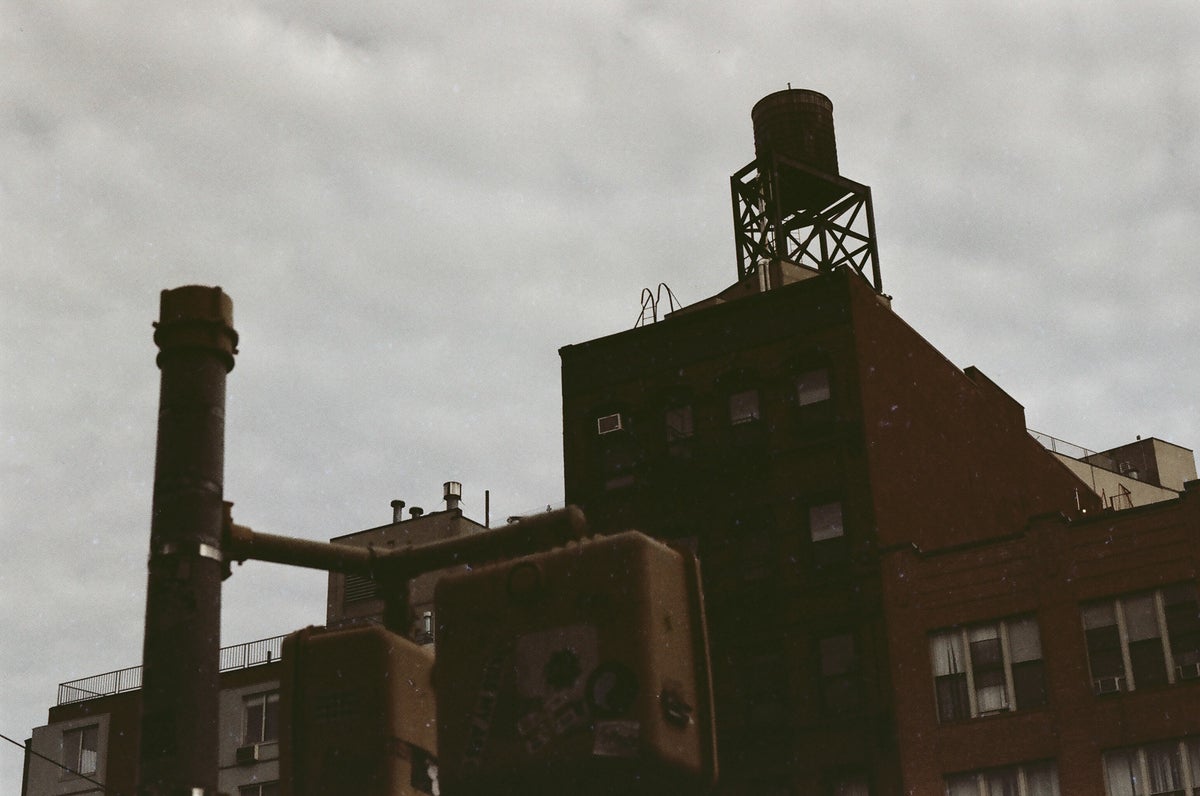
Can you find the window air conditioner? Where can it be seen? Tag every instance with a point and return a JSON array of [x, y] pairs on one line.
[[247, 754], [609, 423], [1108, 685], [1188, 671]]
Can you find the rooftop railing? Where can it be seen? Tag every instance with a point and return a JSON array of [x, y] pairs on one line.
[[1056, 445], [239, 656]]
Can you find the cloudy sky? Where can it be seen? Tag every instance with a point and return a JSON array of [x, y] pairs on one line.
[[414, 206]]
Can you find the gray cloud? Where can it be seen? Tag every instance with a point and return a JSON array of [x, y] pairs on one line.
[[414, 206]]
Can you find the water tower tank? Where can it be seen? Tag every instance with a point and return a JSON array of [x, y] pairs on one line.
[[798, 124]]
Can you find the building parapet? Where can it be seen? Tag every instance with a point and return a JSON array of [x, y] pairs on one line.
[[238, 656]]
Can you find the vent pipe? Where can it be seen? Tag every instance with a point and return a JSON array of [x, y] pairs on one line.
[[416, 511], [452, 493], [398, 511]]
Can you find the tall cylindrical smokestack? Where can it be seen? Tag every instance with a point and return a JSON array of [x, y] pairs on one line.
[[180, 686]]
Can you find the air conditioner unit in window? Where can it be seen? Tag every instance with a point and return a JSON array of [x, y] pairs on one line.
[[247, 754], [1188, 671], [609, 423], [1108, 685]]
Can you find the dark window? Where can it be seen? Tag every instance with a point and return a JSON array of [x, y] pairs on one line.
[[1183, 630], [262, 718], [743, 407], [812, 387], [764, 688], [827, 532], [619, 455], [850, 785], [1143, 640], [841, 685], [680, 428]]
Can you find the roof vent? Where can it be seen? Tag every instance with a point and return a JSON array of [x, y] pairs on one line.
[[452, 494]]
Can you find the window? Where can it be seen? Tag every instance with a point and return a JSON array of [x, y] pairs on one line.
[[1171, 767], [812, 387], [764, 684], [851, 786], [260, 789], [619, 454], [743, 407], [262, 718], [1143, 640], [679, 423], [841, 686], [1030, 779], [827, 531], [79, 749], [825, 521], [986, 669], [679, 430]]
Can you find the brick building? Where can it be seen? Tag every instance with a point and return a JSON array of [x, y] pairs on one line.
[[907, 593]]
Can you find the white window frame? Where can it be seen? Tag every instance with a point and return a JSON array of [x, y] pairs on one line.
[[1128, 681], [607, 424], [963, 637]]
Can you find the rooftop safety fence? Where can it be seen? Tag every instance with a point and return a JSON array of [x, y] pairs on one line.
[[238, 656], [1056, 445]]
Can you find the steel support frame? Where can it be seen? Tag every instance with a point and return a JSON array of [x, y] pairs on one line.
[[839, 233]]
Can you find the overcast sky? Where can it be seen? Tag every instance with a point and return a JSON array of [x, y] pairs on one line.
[[413, 206]]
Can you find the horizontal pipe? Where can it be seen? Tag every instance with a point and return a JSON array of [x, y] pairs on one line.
[[540, 532], [243, 544]]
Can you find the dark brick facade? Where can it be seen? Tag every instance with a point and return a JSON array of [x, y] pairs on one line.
[[821, 629]]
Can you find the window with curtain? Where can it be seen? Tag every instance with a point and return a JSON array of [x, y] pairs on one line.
[[1169, 767], [1143, 640], [988, 668], [1028, 779], [80, 746]]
